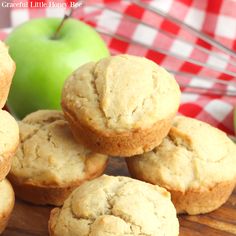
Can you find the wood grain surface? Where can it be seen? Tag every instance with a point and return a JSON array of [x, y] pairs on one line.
[[31, 220]]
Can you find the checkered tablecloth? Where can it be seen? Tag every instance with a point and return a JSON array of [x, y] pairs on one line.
[[216, 18]]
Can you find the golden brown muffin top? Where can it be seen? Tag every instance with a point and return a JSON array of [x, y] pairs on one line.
[[7, 197], [121, 93], [117, 206], [7, 69], [9, 134], [193, 155], [48, 153]]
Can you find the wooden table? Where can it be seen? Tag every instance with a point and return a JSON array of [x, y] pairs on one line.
[[31, 220]]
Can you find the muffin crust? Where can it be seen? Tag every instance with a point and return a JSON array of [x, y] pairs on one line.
[[9, 140], [7, 70], [122, 97], [7, 200], [194, 162], [49, 164], [115, 206]]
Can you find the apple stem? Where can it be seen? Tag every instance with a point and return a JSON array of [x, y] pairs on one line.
[[66, 16]]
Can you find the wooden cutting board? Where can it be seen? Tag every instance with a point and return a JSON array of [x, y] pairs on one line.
[[31, 220]]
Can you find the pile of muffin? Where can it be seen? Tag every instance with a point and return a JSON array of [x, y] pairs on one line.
[[9, 137], [121, 106]]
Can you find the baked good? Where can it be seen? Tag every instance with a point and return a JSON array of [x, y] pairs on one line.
[[118, 206], [195, 162], [7, 70], [7, 200], [49, 164], [122, 105], [9, 140]]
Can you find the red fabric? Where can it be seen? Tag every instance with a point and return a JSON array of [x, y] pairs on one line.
[[216, 18]]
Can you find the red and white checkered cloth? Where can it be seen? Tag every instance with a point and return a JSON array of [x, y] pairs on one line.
[[216, 18]]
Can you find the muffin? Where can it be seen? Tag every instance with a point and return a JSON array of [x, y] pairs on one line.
[[7, 70], [7, 200], [122, 105], [115, 206], [9, 140], [195, 162], [49, 164]]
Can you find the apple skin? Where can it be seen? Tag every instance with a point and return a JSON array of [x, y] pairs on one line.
[[43, 63]]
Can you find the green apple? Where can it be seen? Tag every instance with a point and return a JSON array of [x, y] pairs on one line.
[[43, 62]]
